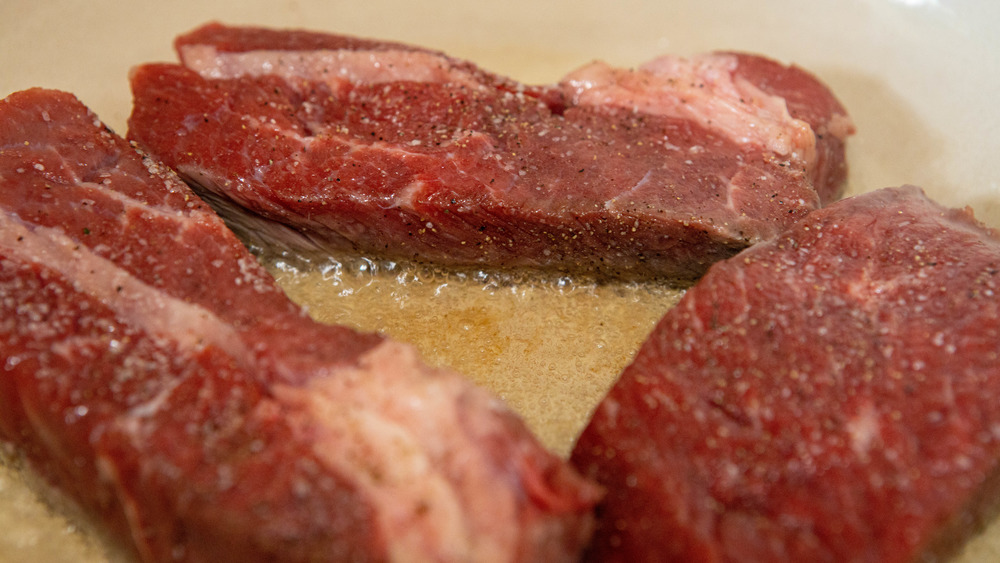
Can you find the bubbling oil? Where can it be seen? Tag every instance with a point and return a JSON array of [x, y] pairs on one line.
[[550, 347]]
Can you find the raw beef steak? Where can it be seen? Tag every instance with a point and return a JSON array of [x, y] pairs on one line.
[[401, 152], [154, 372], [830, 395]]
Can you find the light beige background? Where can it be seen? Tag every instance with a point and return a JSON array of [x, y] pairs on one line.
[[920, 78]]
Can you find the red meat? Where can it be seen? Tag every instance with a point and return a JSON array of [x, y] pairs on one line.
[[827, 396], [402, 152], [154, 371]]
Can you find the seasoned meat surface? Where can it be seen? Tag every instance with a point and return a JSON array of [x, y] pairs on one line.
[[403, 152], [154, 372], [827, 396]]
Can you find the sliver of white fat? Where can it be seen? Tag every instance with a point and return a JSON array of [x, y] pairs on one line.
[[704, 89], [186, 325], [332, 66], [394, 427]]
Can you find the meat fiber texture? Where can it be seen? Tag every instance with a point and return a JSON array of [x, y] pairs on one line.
[[401, 152], [154, 372], [827, 396]]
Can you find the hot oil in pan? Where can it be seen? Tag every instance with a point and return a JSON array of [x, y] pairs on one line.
[[550, 347]]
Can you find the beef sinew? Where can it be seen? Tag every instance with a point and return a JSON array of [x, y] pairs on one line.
[[397, 151], [827, 396], [154, 372]]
